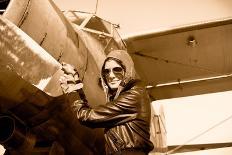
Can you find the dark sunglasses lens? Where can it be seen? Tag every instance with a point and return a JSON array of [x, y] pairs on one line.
[[106, 71], [117, 69]]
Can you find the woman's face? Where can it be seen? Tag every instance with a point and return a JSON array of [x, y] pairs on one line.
[[113, 73]]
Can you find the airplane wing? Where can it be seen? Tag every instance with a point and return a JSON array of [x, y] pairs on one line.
[[186, 60]]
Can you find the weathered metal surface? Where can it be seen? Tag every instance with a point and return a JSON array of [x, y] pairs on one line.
[[21, 56], [46, 24]]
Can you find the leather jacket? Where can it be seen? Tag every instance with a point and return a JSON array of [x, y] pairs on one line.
[[126, 119]]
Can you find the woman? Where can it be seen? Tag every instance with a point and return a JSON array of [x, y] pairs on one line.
[[126, 113]]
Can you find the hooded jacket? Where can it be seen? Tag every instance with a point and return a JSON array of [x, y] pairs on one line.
[[126, 117]]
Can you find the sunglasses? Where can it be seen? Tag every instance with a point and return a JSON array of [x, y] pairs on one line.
[[115, 70]]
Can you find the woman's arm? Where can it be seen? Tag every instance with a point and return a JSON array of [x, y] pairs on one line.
[[117, 112]]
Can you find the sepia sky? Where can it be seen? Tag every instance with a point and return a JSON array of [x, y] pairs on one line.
[[135, 16]]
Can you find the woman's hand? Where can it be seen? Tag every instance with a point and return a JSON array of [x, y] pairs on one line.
[[70, 81]]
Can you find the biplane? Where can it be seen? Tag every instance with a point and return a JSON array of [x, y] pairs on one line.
[[36, 36]]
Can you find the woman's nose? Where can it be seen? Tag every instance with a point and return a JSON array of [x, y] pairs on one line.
[[111, 74]]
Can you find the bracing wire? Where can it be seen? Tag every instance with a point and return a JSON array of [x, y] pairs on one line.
[[197, 136], [95, 12]]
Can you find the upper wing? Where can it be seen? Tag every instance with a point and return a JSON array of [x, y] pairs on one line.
[[187, 60]]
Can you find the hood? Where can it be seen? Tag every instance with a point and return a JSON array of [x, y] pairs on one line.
[[128, 65]]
